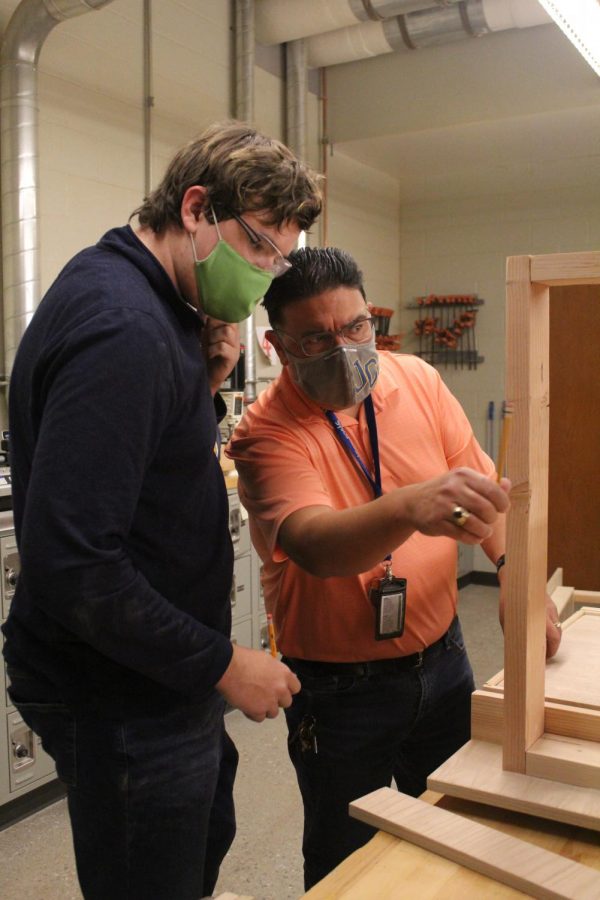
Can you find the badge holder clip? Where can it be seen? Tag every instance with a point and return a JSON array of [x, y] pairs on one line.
[[388, 596]]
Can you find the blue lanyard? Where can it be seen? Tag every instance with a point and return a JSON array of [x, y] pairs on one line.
[[374, 481]]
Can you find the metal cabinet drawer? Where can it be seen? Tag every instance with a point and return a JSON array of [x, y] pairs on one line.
[[27, 761], [10, 565], [241, 588], [241, 633], [239, 527]]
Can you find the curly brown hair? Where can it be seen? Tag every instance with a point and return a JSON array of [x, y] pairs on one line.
[[242, 171]]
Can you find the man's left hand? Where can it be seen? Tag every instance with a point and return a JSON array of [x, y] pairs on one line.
[[553, 628], [221, 345]]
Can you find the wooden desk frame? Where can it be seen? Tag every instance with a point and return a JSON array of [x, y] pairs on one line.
[[527, 379], [534, 772]]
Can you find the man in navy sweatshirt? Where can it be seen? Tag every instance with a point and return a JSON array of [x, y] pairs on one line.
[[117, 643]]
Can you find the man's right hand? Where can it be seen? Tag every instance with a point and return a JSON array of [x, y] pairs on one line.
[[431, 504], [257, 683]]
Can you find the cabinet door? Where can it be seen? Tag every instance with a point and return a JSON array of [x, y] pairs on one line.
[[574, 467], [241, 594]]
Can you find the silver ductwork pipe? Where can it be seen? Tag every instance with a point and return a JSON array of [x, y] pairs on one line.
[[30, 25], [425, 28], [296, 86], [281, 21], [244, 60], [244, 111], [148, 95]]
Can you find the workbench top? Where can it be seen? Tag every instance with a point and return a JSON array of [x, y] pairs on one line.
[[389, 868]]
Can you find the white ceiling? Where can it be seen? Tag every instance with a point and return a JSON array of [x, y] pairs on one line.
[[515, 111]]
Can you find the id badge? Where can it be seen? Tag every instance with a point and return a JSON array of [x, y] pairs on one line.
[[388, 596]]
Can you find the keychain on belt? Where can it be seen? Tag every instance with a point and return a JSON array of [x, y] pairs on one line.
[[387, 594]]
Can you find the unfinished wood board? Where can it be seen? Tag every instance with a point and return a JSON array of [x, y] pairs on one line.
[[487, 719], [590, 598], [527, 376], [566, 268], [229, 896], [573, 675], [566, 759], [563, 600], [475, 773], [528, 306], [555, 580], [507, 859]]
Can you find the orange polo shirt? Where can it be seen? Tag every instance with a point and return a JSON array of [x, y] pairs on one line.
[[288, 457]]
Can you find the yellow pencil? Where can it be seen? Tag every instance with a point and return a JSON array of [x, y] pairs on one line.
[[504, 438], [271, 630]]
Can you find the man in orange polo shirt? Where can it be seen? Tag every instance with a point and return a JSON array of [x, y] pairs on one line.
[[360, 472]]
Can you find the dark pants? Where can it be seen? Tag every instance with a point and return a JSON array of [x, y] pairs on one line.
[[150, 796], [369, 727]]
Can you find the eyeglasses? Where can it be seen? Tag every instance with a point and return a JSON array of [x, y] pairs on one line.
[[359, 331], [264, 246]]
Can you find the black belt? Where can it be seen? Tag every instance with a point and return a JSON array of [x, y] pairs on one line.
[[360, 669]]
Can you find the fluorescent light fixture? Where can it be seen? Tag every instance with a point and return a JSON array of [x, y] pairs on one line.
[[580, 21]]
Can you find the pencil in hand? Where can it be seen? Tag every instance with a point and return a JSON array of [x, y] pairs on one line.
[[271, 630], [507, 414]]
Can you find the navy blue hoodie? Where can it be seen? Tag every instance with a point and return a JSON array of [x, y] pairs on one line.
[[119, 500]]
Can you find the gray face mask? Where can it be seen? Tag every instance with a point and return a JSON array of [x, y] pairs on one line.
[[339, 378]]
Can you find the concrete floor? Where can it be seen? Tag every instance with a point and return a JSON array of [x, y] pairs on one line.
[[265, 861]]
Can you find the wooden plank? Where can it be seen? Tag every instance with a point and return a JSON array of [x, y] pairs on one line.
[[592, 597], [565, 759], [572, 721], [566, 268], [555, 580], [572, 677], [475, 773], [487, 719], [509, 860], [562, 597], [229, 896], [496, 682], [527, 334]]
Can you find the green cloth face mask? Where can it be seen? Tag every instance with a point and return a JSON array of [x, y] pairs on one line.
[[229, 287]]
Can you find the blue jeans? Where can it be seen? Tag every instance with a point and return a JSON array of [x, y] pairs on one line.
[[365, 729], [150, 796]]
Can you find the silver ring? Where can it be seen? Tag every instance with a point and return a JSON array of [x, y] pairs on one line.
[[460, 515]]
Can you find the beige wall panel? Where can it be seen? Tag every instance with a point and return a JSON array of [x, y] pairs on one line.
[[269, 99], [363, 218], [91, 168]]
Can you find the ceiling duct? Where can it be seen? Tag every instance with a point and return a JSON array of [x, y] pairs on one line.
[[244, 111], [280, 21], [425, 28], [30, 25]]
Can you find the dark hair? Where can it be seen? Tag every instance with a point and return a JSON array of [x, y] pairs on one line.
[[314, 270], [242, 171]]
